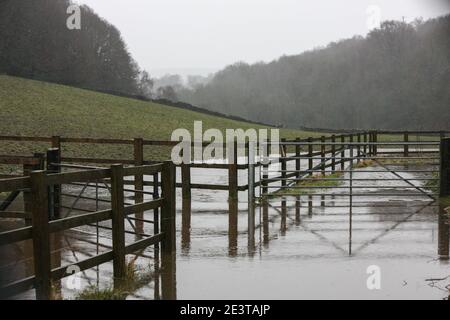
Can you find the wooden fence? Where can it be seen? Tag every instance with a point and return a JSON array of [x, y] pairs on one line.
[[332, 156], [38, 186], [138, 144]]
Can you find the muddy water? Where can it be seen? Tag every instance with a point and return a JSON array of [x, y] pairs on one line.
[[309, 259], [407, 238]]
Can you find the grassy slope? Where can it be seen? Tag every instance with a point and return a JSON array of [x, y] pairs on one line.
[[316, 182], [36, 108]]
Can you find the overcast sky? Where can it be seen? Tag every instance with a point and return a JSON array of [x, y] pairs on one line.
[[202, 36]]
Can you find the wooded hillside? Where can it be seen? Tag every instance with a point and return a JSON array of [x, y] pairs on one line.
[[398, 77]]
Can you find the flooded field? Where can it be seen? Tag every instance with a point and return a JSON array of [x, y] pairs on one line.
[[302, 257], [308, 258]]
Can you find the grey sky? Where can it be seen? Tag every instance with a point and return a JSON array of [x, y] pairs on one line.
[[201, 36]]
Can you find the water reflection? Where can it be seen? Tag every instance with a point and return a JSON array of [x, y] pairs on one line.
[[297, 211], [186, 225], [443, 233], [283, 225], [233, 227], [265, 221], [327, 230], [310, 205], [168, 277], [251, 231], [70, 247], [391, 214]]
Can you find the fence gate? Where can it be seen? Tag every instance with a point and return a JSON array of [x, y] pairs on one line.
[[64, 203], [349, 172]]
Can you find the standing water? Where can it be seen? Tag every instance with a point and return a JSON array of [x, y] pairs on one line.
[[405, 240]]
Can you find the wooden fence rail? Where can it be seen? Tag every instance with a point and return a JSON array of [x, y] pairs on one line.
[[40, 182], [42, 190], [330, 148], [369, 140]]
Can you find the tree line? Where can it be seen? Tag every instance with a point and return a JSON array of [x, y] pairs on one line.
[[397, 77], [36, 43]]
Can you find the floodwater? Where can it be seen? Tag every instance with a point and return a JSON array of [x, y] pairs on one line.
[[406, 237], [309, 258]]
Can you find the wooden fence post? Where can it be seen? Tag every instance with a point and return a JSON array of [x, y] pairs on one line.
[[118, 224], [232, 196], [54, 194], [406, 146], [322, 155], [297, 158], [283, 164], [264, 189], [443, 233], [365, 144], [251, 172], [265, 167], [310, 156], [139, 182], [53, 159], [333, 154], [233, 173], [283, 179], [156, 219], [297, 176], [186, 204], [41, 236], [251, 193], [283, 185], [168, 228], [359, 147], [375, 140], [351, 148], [342, 153], [445, 168]]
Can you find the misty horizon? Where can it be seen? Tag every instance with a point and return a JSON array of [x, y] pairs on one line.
[[196, 38]]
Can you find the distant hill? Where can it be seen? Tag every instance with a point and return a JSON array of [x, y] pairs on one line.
[[397, 77]]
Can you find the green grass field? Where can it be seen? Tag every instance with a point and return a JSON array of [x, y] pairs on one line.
[[37, 108]]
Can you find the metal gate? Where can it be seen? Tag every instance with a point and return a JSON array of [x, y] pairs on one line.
[[339, 172]]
